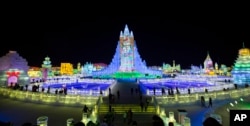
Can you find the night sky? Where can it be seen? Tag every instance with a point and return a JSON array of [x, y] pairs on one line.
[[185, 38]]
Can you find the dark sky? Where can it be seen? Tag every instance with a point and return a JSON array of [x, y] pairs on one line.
[[184, 37]]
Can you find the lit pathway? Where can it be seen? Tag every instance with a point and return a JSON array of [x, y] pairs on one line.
[[125, 93]]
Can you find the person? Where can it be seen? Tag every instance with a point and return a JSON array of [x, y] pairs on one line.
[[26, 87], [110, 108], [109, 90], [141, 104], [162, 91], [140, 96], [110, 98], [118, 94], [130, 116], [154, 90], [101, 92], [210, 102], [56, 91], [85, 109], [146, 106], [203, 101], [147, 101]]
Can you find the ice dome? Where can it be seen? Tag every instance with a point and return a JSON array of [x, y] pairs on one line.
[[244, 52], [13, 60]]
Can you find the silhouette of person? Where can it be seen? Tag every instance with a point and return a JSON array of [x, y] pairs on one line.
[[26, 87], [110, 108], [140, 97], [210, 102], [141, 104], [203, 101], [146, 106], [85, 109], [136, 90], [154, 90], [101, 92], [109, 90], [118, 94], [162, 91]]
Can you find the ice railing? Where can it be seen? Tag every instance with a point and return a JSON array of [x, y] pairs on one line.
[[46, 98], [195, 97], [63, 81], [196, 84]]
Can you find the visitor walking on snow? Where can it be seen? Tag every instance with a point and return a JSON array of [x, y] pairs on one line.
[[132, 90], [210, 104], [118, 95]]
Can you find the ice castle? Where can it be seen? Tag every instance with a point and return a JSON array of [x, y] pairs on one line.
[[127, 58]]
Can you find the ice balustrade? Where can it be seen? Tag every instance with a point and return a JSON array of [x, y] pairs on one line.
[[48, 98], [191, 98], [188, 78], [69, 79], [74, 91], [158, 101], [192, 89], [194, 83]]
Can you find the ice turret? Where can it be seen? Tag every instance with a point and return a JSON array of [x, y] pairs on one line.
[[131, 34], [126, 30], [121, 34]]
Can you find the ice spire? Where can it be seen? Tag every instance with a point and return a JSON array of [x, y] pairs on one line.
[[131, 34], [121, 34], [126, 30], [208, 56]]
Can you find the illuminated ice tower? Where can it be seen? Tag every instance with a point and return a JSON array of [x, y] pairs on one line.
[[241, 69], [46, 67], [127, 58], [208, 64], [126, 51]]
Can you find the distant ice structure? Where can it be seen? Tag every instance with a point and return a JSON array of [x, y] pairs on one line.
[[13, 69]]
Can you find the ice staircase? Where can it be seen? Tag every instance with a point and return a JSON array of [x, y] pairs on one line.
[[121, 108]]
